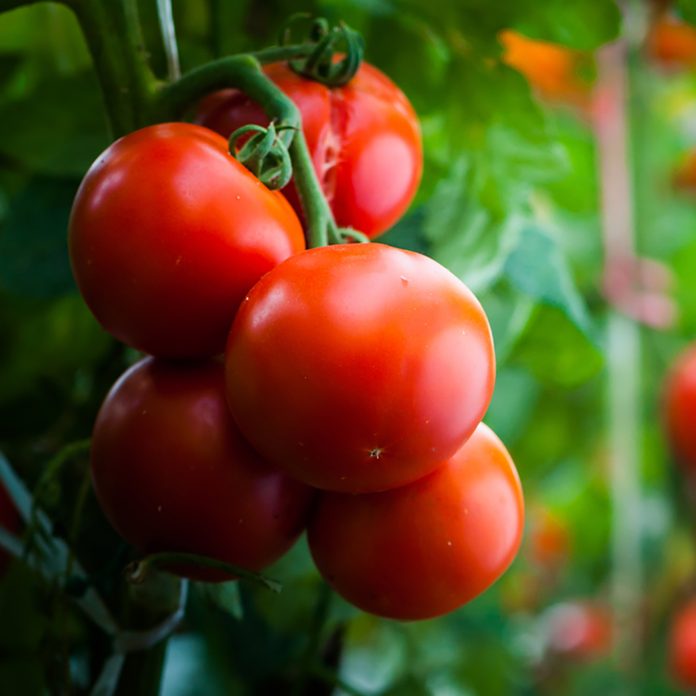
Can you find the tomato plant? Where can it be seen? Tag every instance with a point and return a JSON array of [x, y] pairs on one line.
[[424, 549], [387, 366], [172, 472], [364, 139], [680, 408], [681, 648], [167, 234]]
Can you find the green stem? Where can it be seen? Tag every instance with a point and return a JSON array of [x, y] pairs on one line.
[[274, 54], [244, 72], [114, 38], [139, 570], [308, 661]]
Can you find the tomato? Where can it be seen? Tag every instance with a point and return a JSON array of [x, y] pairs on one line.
[[9, 520], [680, 409], [684, 178], [364, 140], [359, 367], [553, 70], [549, 539], [681, 648], [427, 548], [672, 43], [579, 630], [172, 473], [167, 234]]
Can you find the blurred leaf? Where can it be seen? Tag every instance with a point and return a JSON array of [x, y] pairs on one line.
[[225, 596], [687, 9], [516, 392], [555, 350], [49, 138], [33, 249], [537, 268]]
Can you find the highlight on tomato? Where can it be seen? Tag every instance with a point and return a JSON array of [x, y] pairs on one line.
[[173, 474], [424, 549], [364, 139], [168, 232], [359, 367]]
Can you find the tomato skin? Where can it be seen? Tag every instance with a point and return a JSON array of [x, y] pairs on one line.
[[679, 406], [167, 234], [425, 549], [681, 648], [359, 367], [172, 473], [364, 139], [10, 520]]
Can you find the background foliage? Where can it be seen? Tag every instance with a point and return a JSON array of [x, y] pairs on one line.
[[509, 202]]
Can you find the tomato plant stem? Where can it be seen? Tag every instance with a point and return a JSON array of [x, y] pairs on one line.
[[244, 72], [114, 38]]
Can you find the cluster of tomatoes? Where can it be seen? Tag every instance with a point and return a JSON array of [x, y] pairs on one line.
[[353, 380]]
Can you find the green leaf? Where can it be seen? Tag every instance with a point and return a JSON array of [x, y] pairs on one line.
[[687, 9], [581, 24], [33, 251], [225, 596], [537, 268], [555, 350], [59, 129]]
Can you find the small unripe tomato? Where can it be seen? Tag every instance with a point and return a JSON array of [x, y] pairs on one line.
[[681, 647], [423, 550], [364, 139], [679, 406], [172, 472], [359, 367], [549, 539], [167, 234]]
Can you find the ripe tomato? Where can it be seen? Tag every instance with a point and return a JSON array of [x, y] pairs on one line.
[[359, 367], [172, 472], [167, 234], [684, 178], [364, 139], [682, 646], [553, 70], [672, 43], [680, 409], [427, 548], [10, 520], [579, 630]]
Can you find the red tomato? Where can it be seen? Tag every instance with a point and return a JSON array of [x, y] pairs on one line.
[[553, 70], [168, 232], [682, 646], [172, 472], [10, 520], [427, 548], [579, 630], [364, 139], [359, 367], [672, 43], [680, 409], [549, 539]]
